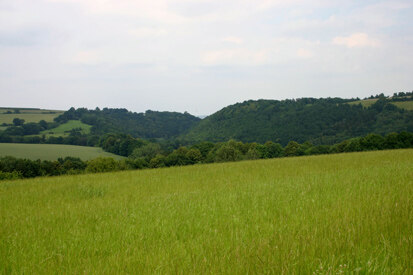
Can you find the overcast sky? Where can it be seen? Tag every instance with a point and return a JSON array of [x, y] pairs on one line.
[[200, 55]]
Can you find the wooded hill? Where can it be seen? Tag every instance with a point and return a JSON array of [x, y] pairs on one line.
[[320, 121], [147, 125]]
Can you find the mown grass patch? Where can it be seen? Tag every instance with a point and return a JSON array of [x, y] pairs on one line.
[[350, 213], [65, 128], [29, 115], [52, 151], [365, 102], [407, 105]]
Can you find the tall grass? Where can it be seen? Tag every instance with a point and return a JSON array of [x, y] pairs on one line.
[[348, 213]]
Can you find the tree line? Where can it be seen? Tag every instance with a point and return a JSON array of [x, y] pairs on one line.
[[154, 155]]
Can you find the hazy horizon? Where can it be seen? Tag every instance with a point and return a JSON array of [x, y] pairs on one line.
[[200, 56], [197, 115]]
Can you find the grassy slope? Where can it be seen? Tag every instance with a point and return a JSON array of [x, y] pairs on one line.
[[51, 151], [408, 105], [28, 115], [365, 102], [63, 129], [323, 214]]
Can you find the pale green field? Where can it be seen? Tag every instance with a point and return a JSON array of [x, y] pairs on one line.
[[366, 102], [407, 105], [350, 213], [62, 130], [27, 110], [29, 115], [52, 151]]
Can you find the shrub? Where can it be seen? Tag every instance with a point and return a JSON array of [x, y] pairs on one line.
[[102, 165], [10, 175]]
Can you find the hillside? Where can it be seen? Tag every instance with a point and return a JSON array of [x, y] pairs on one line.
[[348, 213], [150, 124], [66, 128], [407, 105], [321, 121], [52, 151], [28, 114]]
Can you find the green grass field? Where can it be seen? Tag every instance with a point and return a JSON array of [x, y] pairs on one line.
[[407, 105], [365, 102], [331, 214], [63, 129], [29, 115], [52, 151]]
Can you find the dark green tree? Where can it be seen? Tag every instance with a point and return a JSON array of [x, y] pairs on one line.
[[293, 148], [18, 121]]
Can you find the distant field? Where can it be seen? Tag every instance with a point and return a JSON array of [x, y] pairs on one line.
[[332, 214], [366, 102], [52, 151], [408, 105], [63, 129], [29, 115]]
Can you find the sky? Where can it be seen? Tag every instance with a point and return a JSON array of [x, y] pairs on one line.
[[200, 55]]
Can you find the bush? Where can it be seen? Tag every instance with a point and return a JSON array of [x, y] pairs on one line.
[[157, 162], [273, 150], [193, 156], [139, 163], [372, 142], [10, 175], [293, 148], [227, 153], [102, 165]]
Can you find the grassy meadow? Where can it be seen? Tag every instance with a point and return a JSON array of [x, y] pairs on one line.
[[65, 128], [29, 115], [365, 102], [407, 105], [52, 151], [347, 213]]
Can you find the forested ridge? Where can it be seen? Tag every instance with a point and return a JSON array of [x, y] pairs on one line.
[[320, 121], [150, 124]]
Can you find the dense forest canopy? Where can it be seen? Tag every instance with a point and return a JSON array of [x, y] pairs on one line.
[[150, 124], [321, 121]]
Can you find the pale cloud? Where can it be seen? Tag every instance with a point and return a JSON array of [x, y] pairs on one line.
[[240, 56], [274, 51], [86, 58], [356, 40], [147, 32], [155, 54], [233, 39], [304, 53], [153, 10]]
